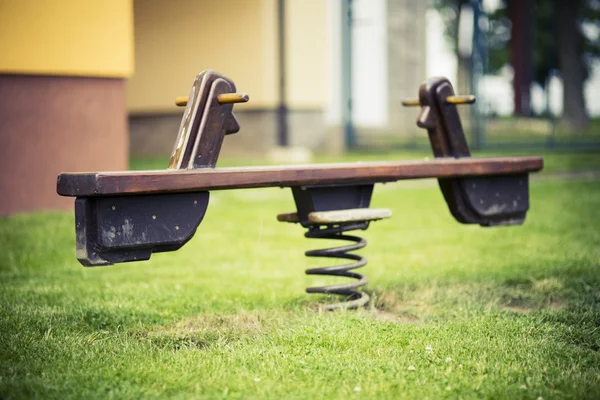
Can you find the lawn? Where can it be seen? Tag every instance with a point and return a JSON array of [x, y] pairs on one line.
[[458, 311], [554, 161]]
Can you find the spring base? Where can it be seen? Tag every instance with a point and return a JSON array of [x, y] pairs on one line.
[[356, 298], [333, 225]]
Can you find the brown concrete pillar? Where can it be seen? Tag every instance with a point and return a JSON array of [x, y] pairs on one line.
[[52, 124]]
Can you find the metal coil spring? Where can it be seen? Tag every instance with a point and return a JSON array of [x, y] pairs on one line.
[[356, 298]]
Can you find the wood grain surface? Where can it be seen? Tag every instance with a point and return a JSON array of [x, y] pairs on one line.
[[195, 180]]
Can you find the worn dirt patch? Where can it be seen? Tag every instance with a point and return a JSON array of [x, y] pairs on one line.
[[249, 322], [519, 309], [205, 330], [554, 304], [390, 307], [386, 316], [547, 286]]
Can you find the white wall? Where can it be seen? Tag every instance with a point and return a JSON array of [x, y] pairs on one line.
[[369, 63]]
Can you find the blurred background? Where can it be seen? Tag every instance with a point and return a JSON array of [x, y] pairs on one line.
[[90, 85]]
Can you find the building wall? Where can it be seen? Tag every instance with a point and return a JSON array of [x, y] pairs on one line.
[[63, 66], [388, 64], [306, 53], [389, 60], [54, 124], [407, 66], [67, 37], [155, 134], [175, 40]]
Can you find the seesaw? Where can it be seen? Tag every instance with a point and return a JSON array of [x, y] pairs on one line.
[[127, 216]]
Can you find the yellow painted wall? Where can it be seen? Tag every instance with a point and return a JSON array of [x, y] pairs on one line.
[[67, 37], [306, 57], [176, 39]]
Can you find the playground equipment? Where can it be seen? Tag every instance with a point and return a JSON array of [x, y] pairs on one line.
[[127, 216]]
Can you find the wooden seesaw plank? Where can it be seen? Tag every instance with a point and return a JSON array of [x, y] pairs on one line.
[[194, 180]]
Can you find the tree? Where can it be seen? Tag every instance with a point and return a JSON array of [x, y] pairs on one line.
[[572, 60], [559, 43], [450, 12]]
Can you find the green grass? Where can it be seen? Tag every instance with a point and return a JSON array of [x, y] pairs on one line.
[[510, 312], [554, 161], [505, 132]]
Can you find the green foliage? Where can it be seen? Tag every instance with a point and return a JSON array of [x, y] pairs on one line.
[[450, 12], [545, 56], [591, 17], [544, 47], [462, 311]]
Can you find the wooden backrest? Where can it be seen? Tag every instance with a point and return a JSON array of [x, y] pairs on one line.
[[205, 123], [493, 200]]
